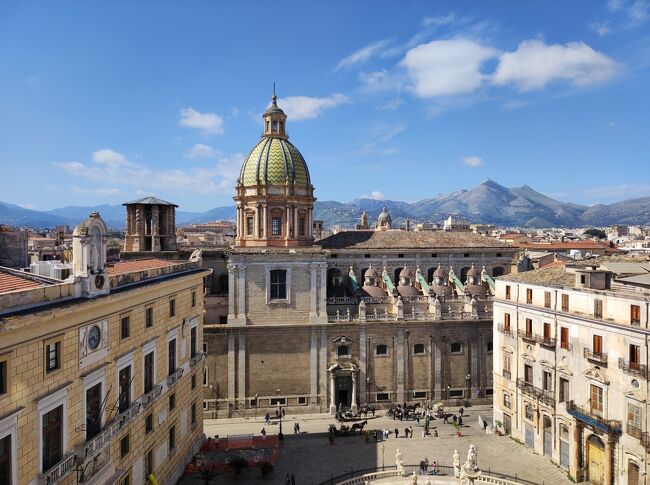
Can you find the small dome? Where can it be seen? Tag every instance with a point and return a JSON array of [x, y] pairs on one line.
[[384, 216], [474, 271], [408, 291], [475, 290], [370, 273], [274, 161], [441, 290], [440, 273], [406, 273]]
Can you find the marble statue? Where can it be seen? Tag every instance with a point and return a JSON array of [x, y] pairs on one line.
[[456, 463], [470, 471], [414, 479], [399, 462]]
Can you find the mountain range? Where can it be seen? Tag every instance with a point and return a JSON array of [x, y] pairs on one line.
[[489, 203]]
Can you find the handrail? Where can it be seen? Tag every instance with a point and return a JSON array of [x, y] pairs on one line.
[[151, 396], [175, 376], [196, 358], [59, 471]]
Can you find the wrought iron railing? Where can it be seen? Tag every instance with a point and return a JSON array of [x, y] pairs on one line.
[[548, 342], [175, 376], [59, 471], [645, 440], [528, 336], [151, 396], [633, 368], [96, 444], [506, 331], [600, 357], [196, 359], [131, 412], [543, 395], [633, 431], [591, 418]]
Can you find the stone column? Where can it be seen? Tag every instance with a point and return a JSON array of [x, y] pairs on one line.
[[399, 358], [288, 223], [231, 370], [241, 370], [241, 310], [473, 370], [332, 393], [322, 310], [296, 235], [140, 228], [265, 223], [231, 292], [314, 294], [313, 363], [576, 453], [608, 469], [354, 405], [439, 385], [322, 391], [363, 367]]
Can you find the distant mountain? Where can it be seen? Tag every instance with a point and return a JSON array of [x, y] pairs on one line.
[[489, 203]]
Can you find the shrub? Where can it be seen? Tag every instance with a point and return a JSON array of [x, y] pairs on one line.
[[238, 464], [266, 468]]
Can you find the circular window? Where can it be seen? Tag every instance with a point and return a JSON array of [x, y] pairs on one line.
[[635, 384]]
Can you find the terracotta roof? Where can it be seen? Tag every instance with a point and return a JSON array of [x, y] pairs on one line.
[[13, 282], [568, 245], [548, 276], [134, 265], [553, 264], [409, 240]]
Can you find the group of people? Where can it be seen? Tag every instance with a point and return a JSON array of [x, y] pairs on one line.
[[290, 479], [278, 413], [424, 467]]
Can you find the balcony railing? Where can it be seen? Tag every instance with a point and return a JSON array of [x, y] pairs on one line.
[[131, 412], [645, 440], [548, 342], [527, 336], [96, 444], [633, 368], [59, 471], [590, 418], [633, 431], [506, 331], [196, 359], [546, 397], [599, 357], [175, 376], [151, 396]]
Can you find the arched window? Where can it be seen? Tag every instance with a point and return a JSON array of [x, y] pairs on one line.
[[463, 274], [342, 351], [381, 349], [418, 349]]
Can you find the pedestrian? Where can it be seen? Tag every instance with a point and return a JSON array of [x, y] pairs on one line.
[[373, 411], [396, 433], [283, 412], [434, 468], [435, 433], [422, 467], [277, 414], [445, 419], [374, 436], [293, 479], [411, 431], [460, 421], [287, 480], [417, 418], [454, 419], [263, 433], [426, 463], [267, 419], [295, 428], [461, 410]]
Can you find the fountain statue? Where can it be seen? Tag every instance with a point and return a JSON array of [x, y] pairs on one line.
[[456, 463], [470, 471], [414, 479], [399, 463]]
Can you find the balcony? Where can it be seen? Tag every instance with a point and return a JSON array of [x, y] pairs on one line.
[[174, 377], [544, 396], [198, 357], [506, 331], [633, 431], [95, 445], [645, 440], [633, 368], [591, 418], [150, 397], [527, 336], [548, 342], [131, 412], [59, 471], [597, 357]]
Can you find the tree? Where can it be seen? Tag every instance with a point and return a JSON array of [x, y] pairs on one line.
[[207, 473], [266, 468], [238, 464], [598, 233]]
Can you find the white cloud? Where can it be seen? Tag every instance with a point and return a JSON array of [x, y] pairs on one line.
[[534, 64], [447, 67], [377, 137], [379, 81], [200, 150], [376, 49], [109, 166], [208, 123], [391, 104], [304, 107], [26, 206], [615, 5], [601, 28], [375, 195], [639, 11], [473, 161], [439, 20]]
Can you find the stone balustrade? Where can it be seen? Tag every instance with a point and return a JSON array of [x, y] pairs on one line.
[[59, 471]]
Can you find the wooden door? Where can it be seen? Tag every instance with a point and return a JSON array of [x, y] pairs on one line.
[[632, 473], [596, 463]]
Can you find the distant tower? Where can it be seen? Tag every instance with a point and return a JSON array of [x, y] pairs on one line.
[[150, 225], [275, 198], [364, 221], [384, 220]]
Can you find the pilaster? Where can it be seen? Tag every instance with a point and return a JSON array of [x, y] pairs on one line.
[[241, 370]]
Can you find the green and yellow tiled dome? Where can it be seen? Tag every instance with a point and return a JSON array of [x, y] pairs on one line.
[[274, 161]]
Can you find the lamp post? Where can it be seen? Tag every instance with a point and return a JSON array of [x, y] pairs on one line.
[[448, 388], [255, 407], [367, 391], [216, 400], [280, 435]]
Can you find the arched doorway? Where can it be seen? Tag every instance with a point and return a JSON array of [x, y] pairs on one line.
[[463, 274], [396, 273], [632, 473], [498, 271], [334, 283], [548, 436], [430, 274], [596, 460]]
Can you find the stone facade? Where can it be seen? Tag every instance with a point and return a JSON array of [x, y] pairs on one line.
[[79, 402], [570, 369]]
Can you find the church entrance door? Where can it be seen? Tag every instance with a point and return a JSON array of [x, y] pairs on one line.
[[343, 391]]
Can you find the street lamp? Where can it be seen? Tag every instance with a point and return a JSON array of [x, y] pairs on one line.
[[280, 435], [216, 400], [448, 388], [255, 407], [367, 391]]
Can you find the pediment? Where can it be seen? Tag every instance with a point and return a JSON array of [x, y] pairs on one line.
[[508, 349], [547, 364], [342, 339], [635, 396], [528, 357], [564, 370], [596, 375]]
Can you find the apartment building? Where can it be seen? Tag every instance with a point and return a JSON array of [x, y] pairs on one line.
[[100, 373], [571, 367]]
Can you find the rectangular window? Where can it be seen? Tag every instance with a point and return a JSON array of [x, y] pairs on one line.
[[205, 347], [172, 439], [4, 375], [193, 341], [547, 330], [148, 317], [506, 364], [564, 338], [596, 400], [193, 298], [529, 296], [547, 381], [529, 327], [565, 303], [456, 348], [547, 299], [419, 394], [507, 292], [53, 356], [598, 308], [6, 463], [148, 372], [301, 226], [172, 308], [171, 357], [634, 415], [456, 393], [276, 226], [124, 327], [148, 424], [249, 226], [193, 413], [205, 376], [635, 356], [278, 284], [126, 479], [282, 401], [124, 400], [124, 446], [635, 314], [382, 396], [564, 389], [52, 429], [506, 322], [148, 463], [507, 400], [302, 400], [597, 344], [172, 402], [93, 411], [528, 374]]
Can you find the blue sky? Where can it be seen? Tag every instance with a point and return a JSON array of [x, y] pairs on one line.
[[104, 102]]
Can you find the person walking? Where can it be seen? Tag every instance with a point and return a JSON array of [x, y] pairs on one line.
[[293, 479], [295, 428], [267, 419], [263, 433], [411, 431], [460, 421], [461, 410], [445, 419], [396, 433], [287, 480]]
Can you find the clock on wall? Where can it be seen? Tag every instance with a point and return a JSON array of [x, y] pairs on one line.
[[94, 337]]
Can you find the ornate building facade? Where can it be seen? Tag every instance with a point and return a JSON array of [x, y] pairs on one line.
[[364, 316], [100, 373]]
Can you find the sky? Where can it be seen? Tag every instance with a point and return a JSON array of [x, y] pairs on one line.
[[107, 102]]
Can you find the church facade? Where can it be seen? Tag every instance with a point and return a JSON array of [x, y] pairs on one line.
[[367, 316]]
